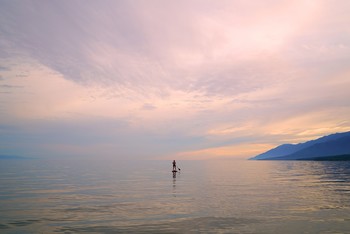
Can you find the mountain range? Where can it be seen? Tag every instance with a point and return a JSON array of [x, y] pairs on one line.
[[332, 147]]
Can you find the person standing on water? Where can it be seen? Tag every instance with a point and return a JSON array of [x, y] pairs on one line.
[[174, 165]]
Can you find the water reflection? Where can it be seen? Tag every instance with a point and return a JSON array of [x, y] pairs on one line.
[[213, 196], [316, 188], [174, 186]]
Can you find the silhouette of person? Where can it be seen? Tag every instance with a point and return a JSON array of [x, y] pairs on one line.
[[174, 165]]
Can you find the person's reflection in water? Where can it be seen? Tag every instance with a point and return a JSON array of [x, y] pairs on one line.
[[174, 184]]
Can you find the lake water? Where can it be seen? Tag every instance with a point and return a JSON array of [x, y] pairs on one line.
[[223, 196]]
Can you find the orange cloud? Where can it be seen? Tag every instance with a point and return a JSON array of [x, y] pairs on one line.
[[244, 150]]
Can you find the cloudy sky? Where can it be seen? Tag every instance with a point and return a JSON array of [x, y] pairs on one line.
[[154, 79]]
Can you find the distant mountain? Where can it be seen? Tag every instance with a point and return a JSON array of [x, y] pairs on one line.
[[337, 144], [12, 157]]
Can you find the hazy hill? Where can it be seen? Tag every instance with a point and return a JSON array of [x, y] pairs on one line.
[[11, 157], [337, 144]]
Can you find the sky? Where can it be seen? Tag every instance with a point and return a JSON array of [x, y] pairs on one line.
[[187, 79]]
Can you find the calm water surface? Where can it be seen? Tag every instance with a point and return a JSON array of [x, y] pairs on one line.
[[232, 196]]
